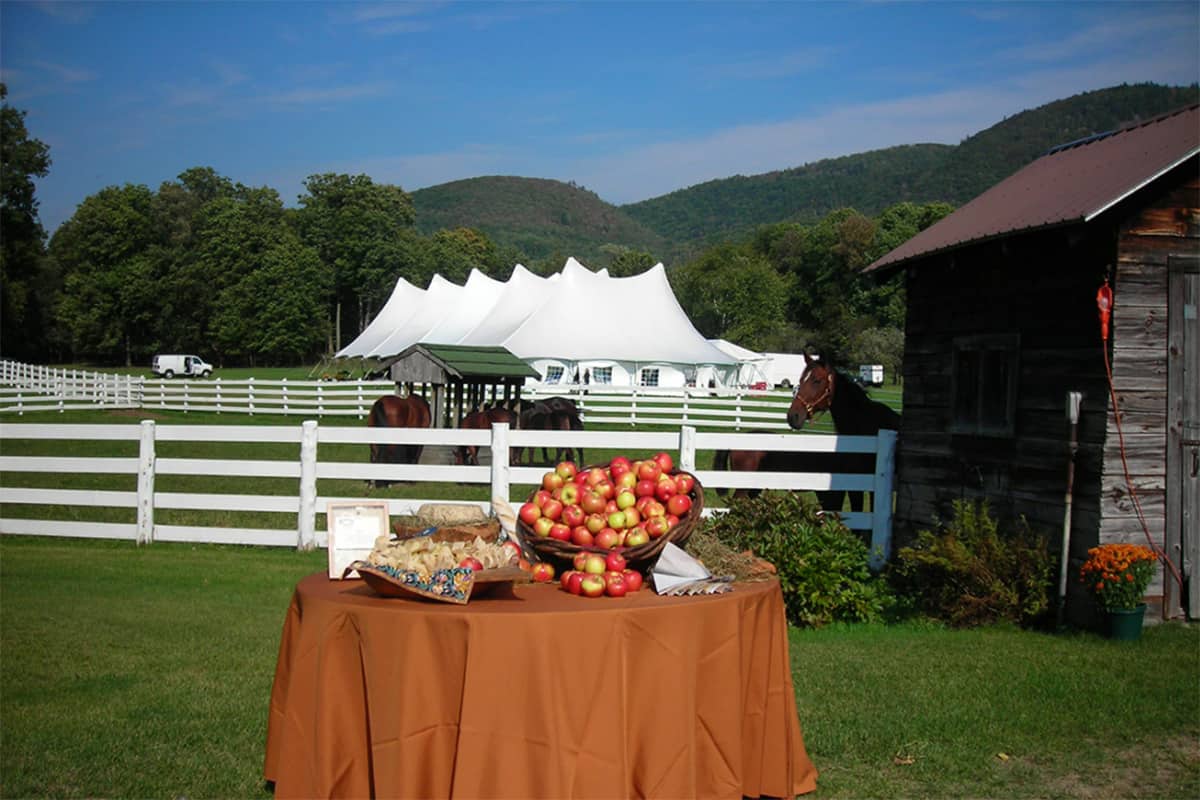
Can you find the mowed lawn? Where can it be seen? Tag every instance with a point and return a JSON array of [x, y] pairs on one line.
[[132, 671]]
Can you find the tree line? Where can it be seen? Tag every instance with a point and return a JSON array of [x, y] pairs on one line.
[[204, 264]]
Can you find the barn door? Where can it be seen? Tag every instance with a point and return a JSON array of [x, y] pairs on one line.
[[1183, 433]]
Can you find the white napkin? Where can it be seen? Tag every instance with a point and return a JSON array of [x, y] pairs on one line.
[[676, 572]]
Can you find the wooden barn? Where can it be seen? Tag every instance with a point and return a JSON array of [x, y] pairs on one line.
[[1003, 325], [459, 378]]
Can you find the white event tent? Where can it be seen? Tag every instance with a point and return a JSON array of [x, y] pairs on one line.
[[620, 331]]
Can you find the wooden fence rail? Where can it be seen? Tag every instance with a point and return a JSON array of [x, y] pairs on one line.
[[307, 467]]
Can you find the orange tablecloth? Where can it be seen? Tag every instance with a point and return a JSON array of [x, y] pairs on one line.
[[534, 693]]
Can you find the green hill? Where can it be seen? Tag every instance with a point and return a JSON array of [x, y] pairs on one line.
[[544, 219], [548, 220]]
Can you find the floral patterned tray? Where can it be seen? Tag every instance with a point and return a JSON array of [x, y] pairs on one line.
[[455, 585]]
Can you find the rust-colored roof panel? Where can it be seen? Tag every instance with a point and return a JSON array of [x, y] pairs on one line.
[[1070, 184]]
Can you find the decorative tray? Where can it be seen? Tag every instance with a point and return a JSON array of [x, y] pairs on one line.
[[454, 585]]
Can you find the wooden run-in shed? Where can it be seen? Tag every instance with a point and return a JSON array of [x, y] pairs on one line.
[[1003, 323], [456, 378]]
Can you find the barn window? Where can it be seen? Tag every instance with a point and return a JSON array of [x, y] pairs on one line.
[[984, 385], [554, 374], [650, 377], [602, 375]]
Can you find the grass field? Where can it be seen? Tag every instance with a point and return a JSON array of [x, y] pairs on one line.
[[145, 672]]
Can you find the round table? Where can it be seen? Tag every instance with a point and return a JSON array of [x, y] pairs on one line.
[[534, 692]]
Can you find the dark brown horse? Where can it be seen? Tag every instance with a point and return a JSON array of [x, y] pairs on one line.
[[483, 420], [552, 414], [392, 411], [821, 388]]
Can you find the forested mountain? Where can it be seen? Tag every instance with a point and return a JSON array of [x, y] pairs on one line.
[[546, 219]]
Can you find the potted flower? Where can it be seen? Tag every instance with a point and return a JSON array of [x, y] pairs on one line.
[[1117, 575]]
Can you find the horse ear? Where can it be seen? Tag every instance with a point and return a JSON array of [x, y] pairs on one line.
[[808, 360]]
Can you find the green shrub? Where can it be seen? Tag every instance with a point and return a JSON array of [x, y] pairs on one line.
[[822, 565], [970, 573]]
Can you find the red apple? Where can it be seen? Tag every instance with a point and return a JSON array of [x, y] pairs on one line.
[[633, 580], [684, 483], [654, 509], [615, 561], [579, 560], [592, 586], [594, 564], [664, 461], [561, 532], [540, 497], [627, 480], [552, 509], [636, 537], [657, 526], [529, 513], [543, 572], [595, 523], [619, 464], [472, 563], [565, 579], [511, 549], [592, 502], [615, 586], [552, 480], [573, 515], [678, 504], [632, 517], [672, 520], [606, 489], [644, 488], [566, 469], [582, 536], [576, 581], [664, 489], [542, 526], [595, 475], [648, 470], [607, 538]]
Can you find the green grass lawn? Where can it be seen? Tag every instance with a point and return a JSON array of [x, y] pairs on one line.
[[146, 672]]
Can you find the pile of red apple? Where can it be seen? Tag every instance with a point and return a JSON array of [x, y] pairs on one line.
[[626, 504], [600, 575]]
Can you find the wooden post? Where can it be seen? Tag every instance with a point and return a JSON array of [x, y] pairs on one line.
[[881, 499], [306, 524], [145, 484], [687, 448], [500, 459]]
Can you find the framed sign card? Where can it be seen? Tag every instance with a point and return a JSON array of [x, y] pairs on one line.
[[353, 529]]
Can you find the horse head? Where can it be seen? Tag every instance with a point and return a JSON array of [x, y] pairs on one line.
[[814, 392]]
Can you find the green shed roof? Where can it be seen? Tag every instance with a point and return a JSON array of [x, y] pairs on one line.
[[466, 362]]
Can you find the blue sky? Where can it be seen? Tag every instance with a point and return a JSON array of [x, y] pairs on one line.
[[631, 100]]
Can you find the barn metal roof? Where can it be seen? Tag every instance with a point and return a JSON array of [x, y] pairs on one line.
[[465, 362], [1072, 183]]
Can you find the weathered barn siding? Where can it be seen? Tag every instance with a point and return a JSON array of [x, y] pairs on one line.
[[1165, 224], [1042, 286]]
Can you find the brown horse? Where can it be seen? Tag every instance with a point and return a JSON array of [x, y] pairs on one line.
[[392, 411], [552, 414], [483, 420], [821, 388]]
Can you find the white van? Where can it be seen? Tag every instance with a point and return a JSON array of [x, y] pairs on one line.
[[168, 366]]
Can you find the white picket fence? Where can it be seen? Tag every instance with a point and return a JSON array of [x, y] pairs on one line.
[[307, 468], [26, 388]]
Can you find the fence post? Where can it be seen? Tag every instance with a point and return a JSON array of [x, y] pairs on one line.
[[145, 484], [500, 462], [250, 394], [687, 448], [307, 522], [881, 499]]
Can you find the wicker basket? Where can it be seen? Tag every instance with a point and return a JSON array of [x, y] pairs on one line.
[[640, 558]]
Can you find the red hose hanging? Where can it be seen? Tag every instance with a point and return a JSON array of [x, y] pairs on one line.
[[1104, 304]]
